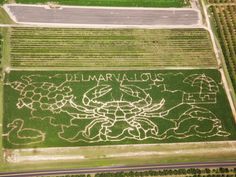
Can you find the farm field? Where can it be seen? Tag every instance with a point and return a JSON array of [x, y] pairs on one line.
[[78, 108], [133, 3], [225, 24], [56, 47], [102, 17], [76, 98]]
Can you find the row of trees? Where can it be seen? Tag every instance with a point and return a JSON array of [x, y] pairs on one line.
[[191, 172], [1, 44], [213, 175], [225, 23], [221, 1]]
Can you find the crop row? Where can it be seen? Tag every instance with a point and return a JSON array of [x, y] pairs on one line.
[[221, 1], [114, 48], [1, 45], [225, 23]]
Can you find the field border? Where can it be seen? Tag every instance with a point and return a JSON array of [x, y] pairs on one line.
[[104, 156]]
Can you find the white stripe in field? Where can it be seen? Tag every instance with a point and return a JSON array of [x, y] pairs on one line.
[[168, 153], [18, 158]]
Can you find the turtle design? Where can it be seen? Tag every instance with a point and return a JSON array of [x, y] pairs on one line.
[[41, 95]]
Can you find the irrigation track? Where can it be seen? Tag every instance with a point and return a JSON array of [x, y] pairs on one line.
[[121, 168]]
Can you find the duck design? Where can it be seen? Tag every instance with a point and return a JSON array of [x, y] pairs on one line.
[[23, 136]]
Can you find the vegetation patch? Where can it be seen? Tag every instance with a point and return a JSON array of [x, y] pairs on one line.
[[76, 108], [53, 47], [4, 17], [2, 1], [132, 3]]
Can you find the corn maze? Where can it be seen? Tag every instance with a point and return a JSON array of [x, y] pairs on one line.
[[225, 23], [76, 108], [53, 47]]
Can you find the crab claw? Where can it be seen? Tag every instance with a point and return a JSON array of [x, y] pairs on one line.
[[132, 90], [135, 91], [155, 130], [223, 133], [91, 96], [156, 107], [11, 125]]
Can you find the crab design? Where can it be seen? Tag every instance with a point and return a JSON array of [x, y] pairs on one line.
[[126, 116]]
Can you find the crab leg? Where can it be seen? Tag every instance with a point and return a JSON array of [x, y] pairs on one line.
[[91, 125], [152, 109], [150, 123], [135, 91]]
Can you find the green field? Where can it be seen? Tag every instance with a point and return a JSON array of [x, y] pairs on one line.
[[77, 108], [53, 47], [133, 3]]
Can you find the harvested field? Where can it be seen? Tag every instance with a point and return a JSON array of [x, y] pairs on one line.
[[103, 16]]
